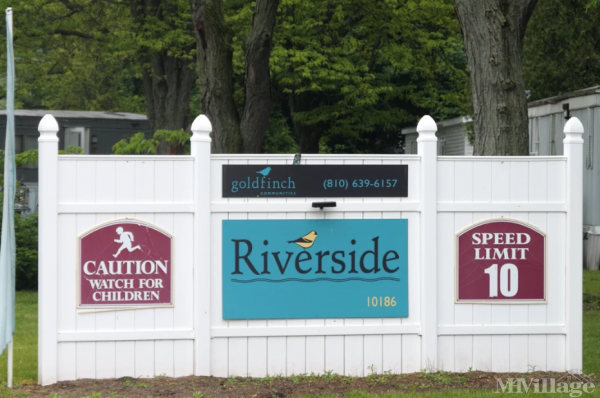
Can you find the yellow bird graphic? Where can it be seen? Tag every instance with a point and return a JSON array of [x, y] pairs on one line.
[[306, 241]]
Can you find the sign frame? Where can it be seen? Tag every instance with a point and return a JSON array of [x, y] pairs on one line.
[[400, 288], [314, 181], [500, 301], [124, 307]]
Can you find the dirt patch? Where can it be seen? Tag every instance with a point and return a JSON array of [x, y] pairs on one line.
[[273, 387]]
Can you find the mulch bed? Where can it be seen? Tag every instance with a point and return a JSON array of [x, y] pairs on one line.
[[273, 387]]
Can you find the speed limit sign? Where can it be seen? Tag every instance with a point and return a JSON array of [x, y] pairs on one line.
[[500, 261]]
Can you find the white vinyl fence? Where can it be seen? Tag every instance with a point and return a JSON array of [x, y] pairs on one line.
[[182, 195]]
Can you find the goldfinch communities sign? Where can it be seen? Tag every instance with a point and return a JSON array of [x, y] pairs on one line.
[[125, 263], [249, 181]]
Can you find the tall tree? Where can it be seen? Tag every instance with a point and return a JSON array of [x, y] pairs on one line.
[[75, 54], [165, 50], [356, 71], [109, 55], [493, 33], [234, 130]]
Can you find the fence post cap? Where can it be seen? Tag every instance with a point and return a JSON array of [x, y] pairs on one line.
[[201, 124], [426, 129], [574, 125], [48, 128], [573, 131], [48, 124], [201, 128]]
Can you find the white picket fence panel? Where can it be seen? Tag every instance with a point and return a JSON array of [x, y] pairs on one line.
[[182, 195]]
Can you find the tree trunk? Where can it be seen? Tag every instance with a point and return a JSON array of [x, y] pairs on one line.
[[214, 39], [232, 134], [167, 84], [493, 32], [257, 93], [167, 79]]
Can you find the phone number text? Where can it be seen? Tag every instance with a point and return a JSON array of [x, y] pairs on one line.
[[359, 183]]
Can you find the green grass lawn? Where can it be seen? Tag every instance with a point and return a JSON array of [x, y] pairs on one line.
[[25, 340], [591, 282], [591, 321]]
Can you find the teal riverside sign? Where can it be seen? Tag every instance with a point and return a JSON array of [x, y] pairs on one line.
[[285, 269]]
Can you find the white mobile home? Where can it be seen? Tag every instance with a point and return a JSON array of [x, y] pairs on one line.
[[547, 118], [452, 138]]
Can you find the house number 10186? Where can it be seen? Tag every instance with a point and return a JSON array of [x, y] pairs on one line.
[[509, 280], [381, 301]]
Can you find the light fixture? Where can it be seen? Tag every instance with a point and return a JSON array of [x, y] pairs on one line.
[[94, 139], [321, 205], [566, 109]]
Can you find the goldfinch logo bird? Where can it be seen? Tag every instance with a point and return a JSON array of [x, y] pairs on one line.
[[305, 241], [264, 172]]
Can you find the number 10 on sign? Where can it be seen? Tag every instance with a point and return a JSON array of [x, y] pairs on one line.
[[509, 280]]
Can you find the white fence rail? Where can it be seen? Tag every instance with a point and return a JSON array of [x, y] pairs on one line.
[[183, 196]]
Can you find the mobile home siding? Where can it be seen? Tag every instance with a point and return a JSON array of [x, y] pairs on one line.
[[455, 141], [546, 122]]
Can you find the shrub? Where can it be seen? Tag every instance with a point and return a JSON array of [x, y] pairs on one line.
[[26, 237]]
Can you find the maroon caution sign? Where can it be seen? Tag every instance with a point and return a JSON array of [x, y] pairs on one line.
[[500, 261], [125, 263]]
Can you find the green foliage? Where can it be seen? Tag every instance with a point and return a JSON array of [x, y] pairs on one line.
[[562, 55], [26, 229], [75, 54], [71, 150], [177, 140], [355, 70], [279, 137], [90, 54], [365, 68], [137, 144], [358, 70], [323, 147], [27, 158], [166, 28], [26, 236]]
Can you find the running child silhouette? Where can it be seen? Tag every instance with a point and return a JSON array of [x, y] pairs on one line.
[[125, 237]]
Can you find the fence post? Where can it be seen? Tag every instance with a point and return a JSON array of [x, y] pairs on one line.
[[427, 149], [47, 251], [200, 149], [573, 144]]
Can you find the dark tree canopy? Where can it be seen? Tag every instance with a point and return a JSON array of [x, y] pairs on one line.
[[74, 54], [564, 55], [354, 71], [340, 76], [127, 55], [348, 74]]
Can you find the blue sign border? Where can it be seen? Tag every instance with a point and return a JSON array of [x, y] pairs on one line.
[[334, 268]]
